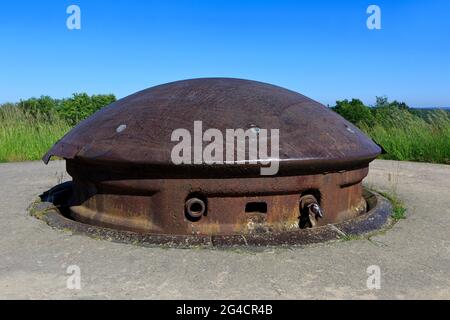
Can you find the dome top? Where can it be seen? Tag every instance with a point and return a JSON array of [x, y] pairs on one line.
[[138, 129]]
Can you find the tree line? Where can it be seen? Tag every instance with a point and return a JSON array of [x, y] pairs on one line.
[[384, 112], [388, 113], [74, 109]]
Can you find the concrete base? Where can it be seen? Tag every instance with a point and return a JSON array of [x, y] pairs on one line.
[[413, 256]]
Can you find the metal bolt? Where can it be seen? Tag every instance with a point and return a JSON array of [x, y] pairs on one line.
[[121, 128]]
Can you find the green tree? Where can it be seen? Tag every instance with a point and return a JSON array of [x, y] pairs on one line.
[[354, 111], [81, 105]]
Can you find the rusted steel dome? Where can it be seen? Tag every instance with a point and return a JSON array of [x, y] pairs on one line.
[[124, 176]]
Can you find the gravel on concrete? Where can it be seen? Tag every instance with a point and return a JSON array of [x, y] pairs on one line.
[[413, 256]]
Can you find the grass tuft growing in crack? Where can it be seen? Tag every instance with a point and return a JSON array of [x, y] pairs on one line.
[[398, 208]]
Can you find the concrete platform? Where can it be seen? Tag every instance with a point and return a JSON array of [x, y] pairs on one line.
[[413, 256]]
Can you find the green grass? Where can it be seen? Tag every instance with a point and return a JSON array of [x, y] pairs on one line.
[[398, 213], [416, 140], [26, 137], [405, 133], [352, 237], [398, 208]]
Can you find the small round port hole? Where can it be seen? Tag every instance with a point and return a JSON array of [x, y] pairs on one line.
[[195, 208]]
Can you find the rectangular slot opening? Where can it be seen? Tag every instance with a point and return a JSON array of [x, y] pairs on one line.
[[260, 207]]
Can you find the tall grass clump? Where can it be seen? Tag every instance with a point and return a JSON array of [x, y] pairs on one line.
[[404, 133], [30, 127], [420, 142], [28, 136]]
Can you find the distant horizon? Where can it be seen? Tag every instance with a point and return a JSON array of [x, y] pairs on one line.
[[326, 104], [322, 49]]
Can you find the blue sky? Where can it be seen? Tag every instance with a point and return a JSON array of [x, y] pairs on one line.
[[322, 49]]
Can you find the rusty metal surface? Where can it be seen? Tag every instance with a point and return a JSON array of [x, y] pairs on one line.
[[312, 137], [377, 216], [124, 178], [158, 205]]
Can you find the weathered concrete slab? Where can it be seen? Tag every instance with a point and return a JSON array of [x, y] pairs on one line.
[[414, 256]]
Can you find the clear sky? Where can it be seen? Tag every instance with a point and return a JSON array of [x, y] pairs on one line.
[[322, 49]]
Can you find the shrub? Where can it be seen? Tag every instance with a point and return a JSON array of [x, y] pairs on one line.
[[73, 109], [354, 111], [80, 106]]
